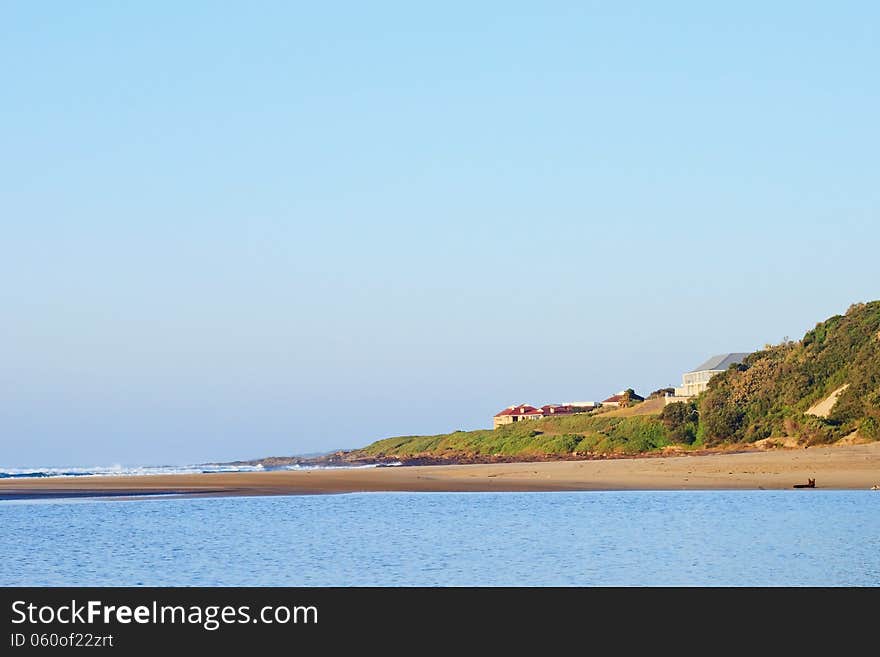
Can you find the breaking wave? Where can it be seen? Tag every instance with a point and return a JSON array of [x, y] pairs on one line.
[[126, 471]]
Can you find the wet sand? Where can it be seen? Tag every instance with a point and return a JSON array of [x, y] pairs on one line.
[[845, 467]]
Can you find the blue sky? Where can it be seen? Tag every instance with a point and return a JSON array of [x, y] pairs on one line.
[[231, 230]]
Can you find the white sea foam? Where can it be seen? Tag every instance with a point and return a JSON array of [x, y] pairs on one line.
[[124, 471]]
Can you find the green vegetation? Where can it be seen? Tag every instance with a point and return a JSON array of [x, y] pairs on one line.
[[558, 436], [768, 395], [765, 397], [681, 420], [662, 392]]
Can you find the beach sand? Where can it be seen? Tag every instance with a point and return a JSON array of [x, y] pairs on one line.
[[846, 467]]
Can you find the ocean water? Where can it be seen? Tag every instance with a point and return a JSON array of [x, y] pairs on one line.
[[821, 538], [123, 470]]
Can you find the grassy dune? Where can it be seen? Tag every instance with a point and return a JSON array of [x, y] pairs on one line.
[[558, 436]]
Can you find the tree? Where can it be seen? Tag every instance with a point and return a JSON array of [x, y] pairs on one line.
[[681, 420], [662, 392], [629, 397]]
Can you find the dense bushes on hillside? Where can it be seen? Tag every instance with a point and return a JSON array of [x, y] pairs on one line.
[[769, 393], [681, 420]]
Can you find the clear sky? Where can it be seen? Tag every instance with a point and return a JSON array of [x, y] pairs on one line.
[[233, 230]]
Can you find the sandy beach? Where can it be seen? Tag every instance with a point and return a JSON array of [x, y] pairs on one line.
[[842, 467]]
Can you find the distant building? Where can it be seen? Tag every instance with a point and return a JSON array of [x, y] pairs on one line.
[[522, 412], [696, 381], [557, 409], [519, 413], [615, 400], [583, 406]]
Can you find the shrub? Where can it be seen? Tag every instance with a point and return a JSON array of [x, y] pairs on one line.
[[681, 420], [775, 385]]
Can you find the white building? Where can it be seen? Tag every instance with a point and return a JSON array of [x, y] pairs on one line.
[[585, 405], [696, 381]]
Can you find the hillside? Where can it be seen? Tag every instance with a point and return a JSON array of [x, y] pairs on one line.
[[772, 392], [648, 407], [815, 391], [573, 435]]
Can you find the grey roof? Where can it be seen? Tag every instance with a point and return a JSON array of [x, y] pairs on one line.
[[721, 362]]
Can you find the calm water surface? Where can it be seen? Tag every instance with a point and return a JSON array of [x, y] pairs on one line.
[[448, 539]]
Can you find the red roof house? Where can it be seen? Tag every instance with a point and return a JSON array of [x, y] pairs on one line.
[[615, 400], [521, 412], [557, 409], [516, 414]]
